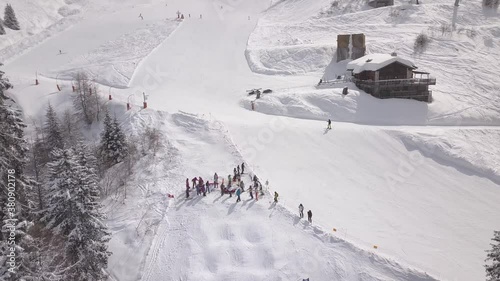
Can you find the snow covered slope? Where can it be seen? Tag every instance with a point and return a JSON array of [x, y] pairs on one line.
[[463, 53], [433, 210]]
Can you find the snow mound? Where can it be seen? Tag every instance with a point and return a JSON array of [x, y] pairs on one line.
[[289, 60], [472, 151], [114, 62]]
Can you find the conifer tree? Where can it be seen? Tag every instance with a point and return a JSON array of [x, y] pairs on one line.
[[75, 214], [52, 130], [493, 269], [2, 30], [113, 147], [10, 19], [15, 195]]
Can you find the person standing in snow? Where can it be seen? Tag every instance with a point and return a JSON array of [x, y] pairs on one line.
[[216, 180], [310, 216], [250, 191], [222, 187], [329, 124], [203, 189], [238, 169], [194, 180], [229, 180], [256, 195], [208, 186], [301, 211], [234, 172], [243, 167], [187, 187], [242, 186], [238, 193], [276, 197]]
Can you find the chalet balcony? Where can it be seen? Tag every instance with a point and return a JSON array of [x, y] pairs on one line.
[[396, 82]]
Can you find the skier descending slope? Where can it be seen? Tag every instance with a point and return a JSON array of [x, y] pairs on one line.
[[309, 216]]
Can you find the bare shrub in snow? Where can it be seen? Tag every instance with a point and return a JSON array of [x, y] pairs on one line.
[[87, 102], [152, 140], [491, 3], [421, 43], [445, 28]]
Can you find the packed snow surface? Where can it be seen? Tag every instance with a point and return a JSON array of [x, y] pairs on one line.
[[426, 196]]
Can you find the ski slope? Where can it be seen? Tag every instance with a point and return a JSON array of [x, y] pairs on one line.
[[426, 196]]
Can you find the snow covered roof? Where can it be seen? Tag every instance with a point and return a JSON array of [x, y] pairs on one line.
[[374, 62]]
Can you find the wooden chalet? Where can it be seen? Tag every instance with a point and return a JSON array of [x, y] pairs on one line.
[[389, 76]]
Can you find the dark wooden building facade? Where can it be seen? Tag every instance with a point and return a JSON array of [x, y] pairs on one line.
[[386, 76]]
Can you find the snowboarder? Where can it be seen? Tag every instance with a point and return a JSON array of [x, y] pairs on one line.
[[242, 186], [216, 180], [208, 186], [238, 169], [238, 193], [329, 124], [242, 168], [250, 191], [276, 197], [301, 211], [310, 216]]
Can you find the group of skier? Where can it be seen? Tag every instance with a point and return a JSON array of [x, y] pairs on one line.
[[234, 185]]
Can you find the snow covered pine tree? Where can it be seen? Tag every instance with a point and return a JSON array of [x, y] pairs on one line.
[[2, 30], [15, 207], [52, 130], [493, 269], [10, 19], [113, 147], [74, 215]]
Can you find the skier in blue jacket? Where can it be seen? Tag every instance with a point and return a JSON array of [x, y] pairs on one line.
[[238, 193]]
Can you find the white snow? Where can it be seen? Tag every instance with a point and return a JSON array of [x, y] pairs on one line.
[[418, 180], [374, 62]]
